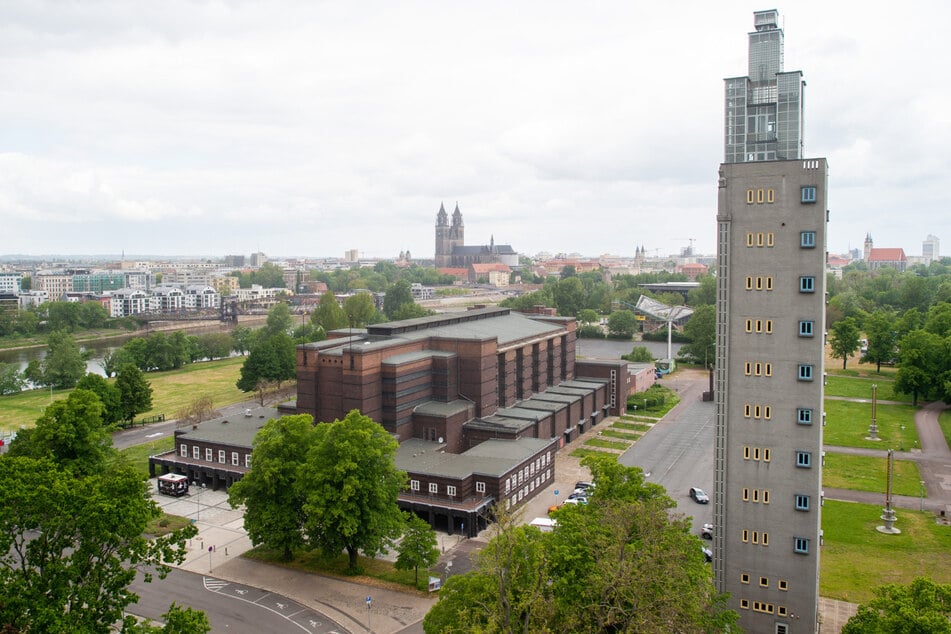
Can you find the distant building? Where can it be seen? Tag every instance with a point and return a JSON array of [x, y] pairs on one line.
[[257, 260], [931, 249], [10, 283], [890, 257], [451, 249]]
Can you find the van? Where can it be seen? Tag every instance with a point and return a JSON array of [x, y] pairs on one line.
[[544, 524], [173, 484]]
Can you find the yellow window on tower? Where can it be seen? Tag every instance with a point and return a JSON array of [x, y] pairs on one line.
[[765, 539], [759, 239], [759, 368], [749, 238], [757, 412], [746, 453], [746, 368], [770, 239], [756, 495], [755, 537], [765, 496], [769, 326], [749, 197], [769, 283], [755, 453], [770, 196], [766, 455], [745, 577], [767, 412], [760, 196], [746, 494], [746, 410], [759, 282], [768, 369], [759, 325], [749, 282], [746, 536], [749, 325]]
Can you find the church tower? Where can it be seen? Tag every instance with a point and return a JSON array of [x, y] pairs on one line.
[[868, 247], [443, 246]]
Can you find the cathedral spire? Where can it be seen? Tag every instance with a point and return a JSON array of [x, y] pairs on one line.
[[442, 218]]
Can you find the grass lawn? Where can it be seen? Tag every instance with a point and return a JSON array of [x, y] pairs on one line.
[[847, 425], [944, 419], [166, 524], [607, 444], [864, 473], [170, 392], [612, 433], [853, 387], [856, 558], [581, 452], [138, 455], [641, 427], [376, 572], [670, 401]]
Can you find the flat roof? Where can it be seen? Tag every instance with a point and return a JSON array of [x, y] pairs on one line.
[[491, 458], [237, 430], [437, 408]]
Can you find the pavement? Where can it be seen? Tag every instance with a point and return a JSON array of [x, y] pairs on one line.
[[221, 529]]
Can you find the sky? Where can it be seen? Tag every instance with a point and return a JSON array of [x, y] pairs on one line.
[[309, 128]]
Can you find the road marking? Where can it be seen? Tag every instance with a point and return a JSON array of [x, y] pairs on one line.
[[155, 435], [212, 584], [269, 609]]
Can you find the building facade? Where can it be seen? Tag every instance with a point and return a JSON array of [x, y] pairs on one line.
[[764, 118], [451, 249], [931, 249], [771, 250]]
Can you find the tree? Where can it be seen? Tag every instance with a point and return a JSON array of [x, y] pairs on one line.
[[279, 321], [200, 408], [107, 393], [639, 354], [701, 329], [418, 546], [588, 316], [64, 364], [361, 310], [921, 364], [706, 293], [75, 576], [329, 315], [397, 295], [134, 391], [177, 620], [269, 275], [273, 499], [922, 606], [11, 381], [71, 433], [215, 345], [33, 372], [272, 359], [621, 324], [844, 340], [352, 483], [569, 296], [243, 339], [882, 338]]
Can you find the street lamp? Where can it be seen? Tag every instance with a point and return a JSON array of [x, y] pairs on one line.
[[901, 437]]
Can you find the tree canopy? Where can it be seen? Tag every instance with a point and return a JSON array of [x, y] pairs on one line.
[[135, 393], [621, 563], [64, 364], [844, 340], [271, 358], [418, 546], [621, 324], [921, 606], [701, 329]]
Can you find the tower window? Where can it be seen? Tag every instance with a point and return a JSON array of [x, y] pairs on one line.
[[805, 372], [749, 238], [750, 197], [804, 416], [804, 459], [807, 284], [769, 326], [770, 237], [749, 325], [806, 328], [769, 283], [802, 502], [809, 194], [801, 545], [770, 197], [807, 239], [749, 282]]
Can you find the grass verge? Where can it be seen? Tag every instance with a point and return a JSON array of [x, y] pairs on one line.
[[856, 558], [847, 425], [864, 473], [944, 420], [607, 444], [166, 524], [138, 456], [581, 452], [641, 427], [855, 387], [611, 433]]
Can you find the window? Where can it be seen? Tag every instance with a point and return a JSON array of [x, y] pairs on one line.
[[749, 238], [745, 604], [804, 416], [746, 536], [781, 610], [749, 325], [760, 196], [247, 460], [747, 408], [801, 545], [755, 497], [764, 582], [765, 539], [782, 628], [184, 451], [809, 194], [767, 412], [755, 453], [196, 453], [745, 577], [508, 486], [805, 372], [807, 239], [766, 455], [768, 369], [759, 282], [802, 502], [806, 328], [414, 485], [209, 454], [782, 584], [747, 368], [803, 459], [234, 459], [807, 284], [771, 196], [749, 282], [755, 538], [770, 237], [451, 491], [759, 368], [480, 487], [759, 239], [749, 197], [769, 282], [759, 325], [756, 411], [746, 453], [222, 456], [746, 494], [765, 498], [769, 326]]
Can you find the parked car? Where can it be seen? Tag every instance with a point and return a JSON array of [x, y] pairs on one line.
[[575, 501], [582, 484], [706, 531], [699, 496], [707, 553]]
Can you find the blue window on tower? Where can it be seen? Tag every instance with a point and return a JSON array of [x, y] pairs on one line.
[[804, 459], [801, 545], [805, 372], [807, 284], [807, 239], [802, 502], [804, 416], [809, 194], [806, 328]]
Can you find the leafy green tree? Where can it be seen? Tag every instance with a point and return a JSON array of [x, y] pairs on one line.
[[352, 483], [569, 296], [271, 359], [11, 381], [274, 503], [706, 293], [33, 372], [701, 329], [418, 546], [71, 433], [64, 364], [243, 339], [588, 316], [396, 296], [938, 319], [107, 393], [921, 365], [135, 392], [279, 321], [844, 340], [177, 620], [411, 311], [361, 309], [62, 316], [215, 345], [922, 606], [269, 275], [639, 354], [329, 315], [621, 324], [75, 576], [93, 315], [882, 338]]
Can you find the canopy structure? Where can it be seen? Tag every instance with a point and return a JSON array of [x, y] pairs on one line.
[[670, 314]]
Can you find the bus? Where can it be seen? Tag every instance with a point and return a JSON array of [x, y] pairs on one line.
[[173, 484]]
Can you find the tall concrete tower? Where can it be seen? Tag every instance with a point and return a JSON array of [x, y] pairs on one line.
[[771, 240]]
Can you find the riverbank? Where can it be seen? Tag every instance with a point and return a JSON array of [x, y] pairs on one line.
[[112, 336]]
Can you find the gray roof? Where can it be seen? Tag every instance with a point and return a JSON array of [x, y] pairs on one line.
[[437, 408], [498, 249], [496, 422], [237, 430], [491, 458]]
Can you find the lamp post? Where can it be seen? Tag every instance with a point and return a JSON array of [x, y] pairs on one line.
[[921, 495], [901, 437]]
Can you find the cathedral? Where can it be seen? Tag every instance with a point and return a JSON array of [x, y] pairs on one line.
[[451, 249]]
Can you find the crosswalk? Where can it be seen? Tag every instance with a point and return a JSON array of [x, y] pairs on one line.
[[214, 585]]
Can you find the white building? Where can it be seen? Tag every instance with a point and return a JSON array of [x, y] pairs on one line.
[[199, 297], [128, 301]]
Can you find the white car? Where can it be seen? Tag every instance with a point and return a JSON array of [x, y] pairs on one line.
[[706, 531]]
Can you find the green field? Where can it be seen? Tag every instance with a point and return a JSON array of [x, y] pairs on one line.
[[864, 473], [847, 425], [170, 392], [138, 455], [856, 558], [852, 387]]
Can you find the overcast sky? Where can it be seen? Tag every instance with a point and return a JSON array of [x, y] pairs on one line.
[[308, 128]]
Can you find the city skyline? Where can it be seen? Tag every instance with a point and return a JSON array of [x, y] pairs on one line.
[[292, 129]]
